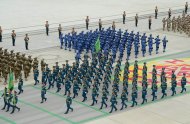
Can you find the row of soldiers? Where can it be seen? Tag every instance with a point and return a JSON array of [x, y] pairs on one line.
[[96, 75], [179, 24], [15, 62]]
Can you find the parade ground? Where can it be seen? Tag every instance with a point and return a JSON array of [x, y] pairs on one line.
[[169, 110]]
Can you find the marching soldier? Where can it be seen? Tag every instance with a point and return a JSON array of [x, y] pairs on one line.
[[5, 98], [20, 85], [113, 101], [104, 99], [183, 83], [144, 93], [1, 34], [47, 28], [149, 22], [26, 39], [136, 20], [168, 24], [43, 92], [123, 100], [87, 22], [173, 24], [68, 102], [13, 35], [134, 96], [14, 102], [124, 15], [173, 83], [156, 12], [164, 86], [59, 30], [100, 24]]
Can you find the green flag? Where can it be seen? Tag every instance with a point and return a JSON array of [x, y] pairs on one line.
[[11, 84], [97, 45]]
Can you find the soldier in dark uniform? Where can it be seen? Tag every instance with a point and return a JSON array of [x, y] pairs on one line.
[[68, 102], [123, 100], [5, 97], [13, 35], [20, 85], [87, 22], [26, 39], [156, 12], [59, 30], [183, 83], [124, 15], [136, 20], [169, 13], [100, 24], [43, 92], [47, 28], [14, 102], [0, 34], [149, 22], [186, 7]]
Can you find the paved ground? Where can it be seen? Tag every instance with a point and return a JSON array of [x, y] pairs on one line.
[[176, 57], [53, 110]]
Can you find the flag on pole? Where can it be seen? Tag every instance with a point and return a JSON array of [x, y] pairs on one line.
[[11, 84], [97, 45]]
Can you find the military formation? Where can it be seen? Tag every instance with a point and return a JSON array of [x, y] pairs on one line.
[[180, 24], [94, 76], [116, 41], [17, 63]]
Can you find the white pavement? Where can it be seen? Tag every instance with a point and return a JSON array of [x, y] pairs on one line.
[[171, 111]]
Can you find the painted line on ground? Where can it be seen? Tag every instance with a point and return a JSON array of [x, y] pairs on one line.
[[7, 119]]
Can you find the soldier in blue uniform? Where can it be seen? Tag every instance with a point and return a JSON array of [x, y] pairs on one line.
[[183, 83], [150, 43], [20, 85], [164, 44], [43, 92], [14, 102], [68, 102], [113, 101], [157, 42], [123, 100]]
